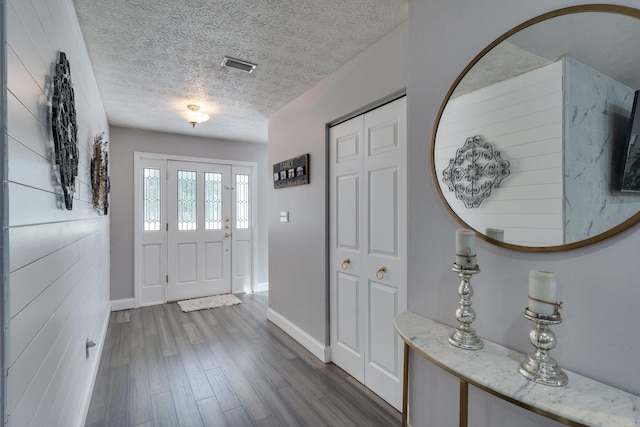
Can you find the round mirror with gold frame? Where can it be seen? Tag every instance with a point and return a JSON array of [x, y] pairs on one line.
[[534, 136]]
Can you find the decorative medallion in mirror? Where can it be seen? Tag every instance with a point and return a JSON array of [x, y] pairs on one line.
[[64, 128], [476, 169], [554, 96]]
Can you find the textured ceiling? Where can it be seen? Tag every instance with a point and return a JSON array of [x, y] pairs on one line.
[[607, 42], [153, 57]]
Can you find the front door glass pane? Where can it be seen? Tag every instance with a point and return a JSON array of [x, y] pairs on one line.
[[187, 204], [212, 201]]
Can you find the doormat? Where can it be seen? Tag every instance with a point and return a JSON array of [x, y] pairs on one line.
[[208, 302]]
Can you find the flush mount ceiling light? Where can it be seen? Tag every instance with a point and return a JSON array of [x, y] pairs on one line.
[[238, 64], [193, 116]]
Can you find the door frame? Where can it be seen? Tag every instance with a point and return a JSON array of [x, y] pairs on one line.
[[4, 208], [138, 158]]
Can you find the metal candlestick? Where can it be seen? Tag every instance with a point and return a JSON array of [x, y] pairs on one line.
[[539, 366], [464, 336]]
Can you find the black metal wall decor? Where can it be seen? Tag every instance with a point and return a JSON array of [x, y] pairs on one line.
[[64, 128], [476, 169], [291, 172], [100, 184]]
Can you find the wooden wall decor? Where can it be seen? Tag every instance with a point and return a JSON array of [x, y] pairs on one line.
[[64, 128], [291, 172], [100, 184]]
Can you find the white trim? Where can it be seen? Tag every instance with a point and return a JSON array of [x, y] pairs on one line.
[[138, 158], [262, 287], [156, 156], [96, 352], [254, 228], [122, 304], [316, 348]]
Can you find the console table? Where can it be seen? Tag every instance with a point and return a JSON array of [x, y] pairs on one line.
[[494, 369]]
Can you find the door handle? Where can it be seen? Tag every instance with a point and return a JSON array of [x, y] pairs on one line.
[[346, 263], [380, 272], [227, 235]]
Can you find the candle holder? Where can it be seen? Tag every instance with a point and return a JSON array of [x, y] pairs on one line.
[[539, 366], [464, 336]]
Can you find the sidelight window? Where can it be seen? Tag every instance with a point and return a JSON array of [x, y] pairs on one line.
[[151, 199], [242, 201]]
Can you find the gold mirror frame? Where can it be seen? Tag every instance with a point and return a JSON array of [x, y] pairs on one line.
[[616, 9]]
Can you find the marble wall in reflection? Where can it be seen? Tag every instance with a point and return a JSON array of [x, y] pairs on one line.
[[596, 121]]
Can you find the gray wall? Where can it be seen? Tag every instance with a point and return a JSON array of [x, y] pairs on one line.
[[298, 249], [123, 143], [598, 283]]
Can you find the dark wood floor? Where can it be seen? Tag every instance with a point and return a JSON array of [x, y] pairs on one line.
[[227, 366]]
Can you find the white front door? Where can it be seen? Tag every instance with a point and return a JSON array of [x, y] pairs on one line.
[[194, 232], [368, 246], [199, 227]]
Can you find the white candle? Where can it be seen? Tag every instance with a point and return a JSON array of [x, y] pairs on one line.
[[496, 234], [543, 287], [466, 248]]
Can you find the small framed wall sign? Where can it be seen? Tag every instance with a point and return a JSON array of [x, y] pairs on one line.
[[291, 172]]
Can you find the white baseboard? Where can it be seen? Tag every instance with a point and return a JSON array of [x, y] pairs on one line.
[[261, 287], [318, 349], [96, 355], [122, 304]]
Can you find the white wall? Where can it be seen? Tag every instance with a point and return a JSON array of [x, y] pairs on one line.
[[522, 118], [124, 142], [59, 259], [598, 283], [298, 287]]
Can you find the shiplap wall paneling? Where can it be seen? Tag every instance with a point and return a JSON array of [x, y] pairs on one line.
[[522, 118], [58, 259]]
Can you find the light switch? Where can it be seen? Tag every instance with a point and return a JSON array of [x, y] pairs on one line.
[[284, 216]]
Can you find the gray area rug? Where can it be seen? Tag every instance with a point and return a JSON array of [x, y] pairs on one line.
[[208, 302]]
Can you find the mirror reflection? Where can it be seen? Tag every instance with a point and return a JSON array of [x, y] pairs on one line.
[[555, 99]]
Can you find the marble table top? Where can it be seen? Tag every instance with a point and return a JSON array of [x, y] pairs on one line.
[[495, 368]]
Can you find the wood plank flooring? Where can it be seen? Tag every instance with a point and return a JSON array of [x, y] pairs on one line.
[[223, 367]]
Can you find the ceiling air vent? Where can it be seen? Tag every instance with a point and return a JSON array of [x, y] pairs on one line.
[[238, 64]]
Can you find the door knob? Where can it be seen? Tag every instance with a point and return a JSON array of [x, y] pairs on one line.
[[380, 272], [345, 263], [227, 234]]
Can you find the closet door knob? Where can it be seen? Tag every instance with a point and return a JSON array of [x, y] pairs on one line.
[[380, 272], [346, 263]]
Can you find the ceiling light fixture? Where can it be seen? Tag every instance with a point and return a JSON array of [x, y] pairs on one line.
[[239, 64], [193, 116]]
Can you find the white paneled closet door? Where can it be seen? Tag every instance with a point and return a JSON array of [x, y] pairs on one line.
[[368, 246]]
